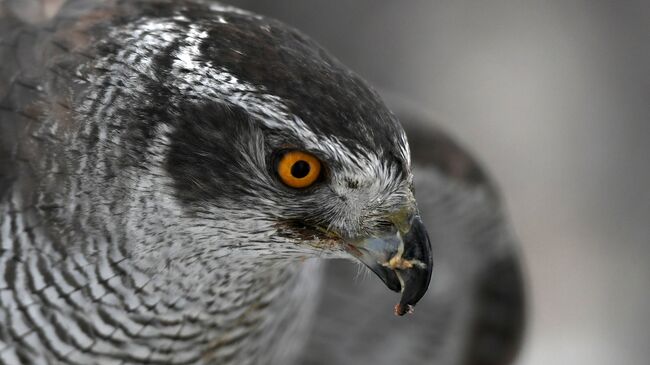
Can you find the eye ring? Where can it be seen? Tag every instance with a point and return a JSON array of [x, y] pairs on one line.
[[298, 169]]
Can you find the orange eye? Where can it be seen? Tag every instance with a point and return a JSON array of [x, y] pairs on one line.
[[298, 169]]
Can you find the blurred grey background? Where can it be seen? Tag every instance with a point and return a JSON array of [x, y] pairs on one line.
[[554, 98]]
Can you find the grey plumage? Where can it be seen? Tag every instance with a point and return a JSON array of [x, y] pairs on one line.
[[140, 222]]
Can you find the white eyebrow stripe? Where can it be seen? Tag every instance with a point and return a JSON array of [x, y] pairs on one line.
[[267, 109], [186, 55]]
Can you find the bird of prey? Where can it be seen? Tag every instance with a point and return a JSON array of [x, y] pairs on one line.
[[174, 173]]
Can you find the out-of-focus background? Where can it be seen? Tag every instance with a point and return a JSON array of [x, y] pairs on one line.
[[554, 98]]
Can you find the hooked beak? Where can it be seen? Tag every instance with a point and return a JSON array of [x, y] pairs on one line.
[[401, 259]]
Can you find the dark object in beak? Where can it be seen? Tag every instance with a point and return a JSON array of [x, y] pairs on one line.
[[402, 261]]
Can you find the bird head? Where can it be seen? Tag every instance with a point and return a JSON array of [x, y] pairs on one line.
[[258, 145]]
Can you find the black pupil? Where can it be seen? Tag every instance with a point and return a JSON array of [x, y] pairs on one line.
[[300, 169]]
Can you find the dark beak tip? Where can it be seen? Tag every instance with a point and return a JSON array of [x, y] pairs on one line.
[[416, 279], [416, 284]]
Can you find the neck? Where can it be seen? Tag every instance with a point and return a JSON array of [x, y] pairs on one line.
[[89, 302]]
